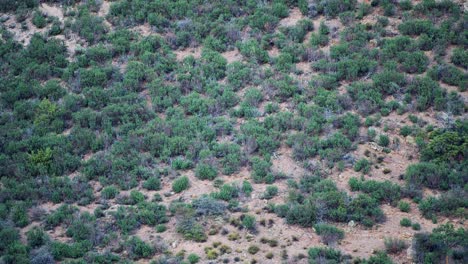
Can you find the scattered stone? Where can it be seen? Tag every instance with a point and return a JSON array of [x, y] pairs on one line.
[[351, 223]]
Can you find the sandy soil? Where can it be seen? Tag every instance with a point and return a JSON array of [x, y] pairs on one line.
[[294, 16], [232, 56], [181, 54]]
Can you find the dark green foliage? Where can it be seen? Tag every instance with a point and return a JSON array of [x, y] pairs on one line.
[[208, 206], [449, 74], [88, 26], [444, 243], [180, 184], [249, 222], [270, 192], [362, 165], [261, 170], [152, 184], [138, 249], [405, 222], [193, 258], [109, 192], [39, 20], [404, 206], [191, 230], [381, 191], [414, 62], [36, 237], [329, 233], [460, 58], [205, 172], [416, 27], [330, 255]]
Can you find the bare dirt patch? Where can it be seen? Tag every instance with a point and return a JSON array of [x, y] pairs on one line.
[[52, 11], [232, 56], [181, 54], [294, 16]]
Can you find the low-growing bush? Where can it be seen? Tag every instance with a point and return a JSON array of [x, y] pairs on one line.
[[180, 184], [394, 245]]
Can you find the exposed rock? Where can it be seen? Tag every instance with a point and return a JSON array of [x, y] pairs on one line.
[[351, 223]]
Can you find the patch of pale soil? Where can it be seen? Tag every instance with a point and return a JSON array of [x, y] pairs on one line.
[[273, 52], [283, 162], [87, 208], [51, 11], [144, 30], [294, 16], [149, 102], [88, 156], [104, 10], [59, 234], [232, 56], [73, 43], [361, 242], [304, 67], [20, 35], [181, 54]]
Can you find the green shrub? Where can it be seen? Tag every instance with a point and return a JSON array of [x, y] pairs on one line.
[[39, 20], [413, 62], [253, 249], [329, 233], [161, 228], [404, 206], [138, 249], [362, 165], [191, 230], [394, 245], [443, 244], [36, 237], [460, 57], [270, 192], [193, 258], [416, 226], [153, 183], [249, 222], [330, 255], [405, 222], [384, 141], [180, 184], [247, 188], [205, 172]]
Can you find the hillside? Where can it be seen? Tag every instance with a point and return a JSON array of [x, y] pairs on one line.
[[224, 131]]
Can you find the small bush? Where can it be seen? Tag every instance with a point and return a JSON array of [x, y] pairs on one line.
[[205, 172], [394, 245], [362, 165], [180, 184], [138, 249], [329, 234], [109, 192], [416, 226], [404, 206], [270, 192], [406, 222], [152, 184], [253, 249], [193, 258], [249, 222], [384, 141]]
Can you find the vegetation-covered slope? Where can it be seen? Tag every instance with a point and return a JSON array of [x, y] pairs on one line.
[[309, 131]]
